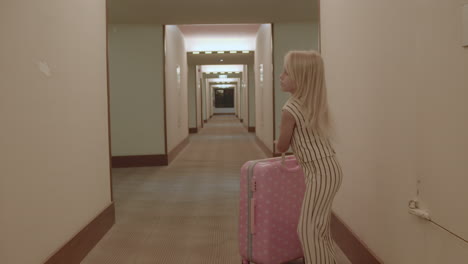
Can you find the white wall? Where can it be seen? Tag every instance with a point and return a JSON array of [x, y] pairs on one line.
[[176, 92], [287, 37], [54, 146], [192, 96], [264, 89], [136, 89], [398, 91]]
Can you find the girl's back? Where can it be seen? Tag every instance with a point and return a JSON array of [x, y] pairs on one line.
[[306, 144]]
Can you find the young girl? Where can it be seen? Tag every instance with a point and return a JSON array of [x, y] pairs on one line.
[[305, 125]]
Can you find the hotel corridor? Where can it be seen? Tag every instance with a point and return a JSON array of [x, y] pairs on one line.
[[185, 213]]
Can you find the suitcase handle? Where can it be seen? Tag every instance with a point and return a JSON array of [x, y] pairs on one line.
[[252, 216], [284, 167]]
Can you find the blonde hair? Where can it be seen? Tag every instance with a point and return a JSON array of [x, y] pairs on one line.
[[306, 70]]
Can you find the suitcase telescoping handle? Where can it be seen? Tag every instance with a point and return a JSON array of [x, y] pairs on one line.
[[286, 168], [252, 216]]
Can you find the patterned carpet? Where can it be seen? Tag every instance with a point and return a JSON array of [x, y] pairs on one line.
[[185, 213]]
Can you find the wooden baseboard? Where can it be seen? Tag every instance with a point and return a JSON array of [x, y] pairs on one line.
[[350, 244], [80, 245], [224, 114], [173, 153], [139, 161], [193, 130], [251, 129], [148, 160], [265, 149]]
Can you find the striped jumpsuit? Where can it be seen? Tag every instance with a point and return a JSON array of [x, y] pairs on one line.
[[323, 178]]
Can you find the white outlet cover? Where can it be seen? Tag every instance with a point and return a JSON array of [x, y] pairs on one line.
[[465, 25]]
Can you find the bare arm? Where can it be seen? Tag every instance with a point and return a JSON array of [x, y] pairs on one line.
[[286, 131]]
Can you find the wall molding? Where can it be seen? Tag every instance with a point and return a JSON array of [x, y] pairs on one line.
[[264, 148], [75, 250], [148, 160], [223, 114], [350, 244], [173, 154], [193, 130], [139, 161]]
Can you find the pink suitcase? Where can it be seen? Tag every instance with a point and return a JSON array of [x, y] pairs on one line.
[[271, 194]]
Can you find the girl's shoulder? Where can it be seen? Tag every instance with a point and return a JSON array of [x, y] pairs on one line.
[[292, 104]]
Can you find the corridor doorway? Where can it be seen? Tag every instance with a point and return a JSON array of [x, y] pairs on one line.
[[224, 98]]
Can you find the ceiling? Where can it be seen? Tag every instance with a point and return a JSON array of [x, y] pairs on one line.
[[225, 30], [211, 11], [220, 37], [227, 58], [223, 80]]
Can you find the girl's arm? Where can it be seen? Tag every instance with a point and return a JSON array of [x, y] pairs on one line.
[[286, 131]]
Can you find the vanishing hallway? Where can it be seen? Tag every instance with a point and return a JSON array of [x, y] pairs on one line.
[[185, 213]]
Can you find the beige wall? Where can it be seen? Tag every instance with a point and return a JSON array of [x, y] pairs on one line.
[[245, 99], [237, 99], [205, 99], [136, 89], [264, 89], [251, 88], [176, 93], [210, 105], [398, 91], [54, 147], [192, 95], [286, 37], [238, 94], [199, 96], [203, 96]]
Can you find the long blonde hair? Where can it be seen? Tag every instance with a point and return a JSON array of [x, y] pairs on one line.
[[306, 69]]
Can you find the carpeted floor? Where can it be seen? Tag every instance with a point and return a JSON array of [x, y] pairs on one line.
[[185, 213]]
